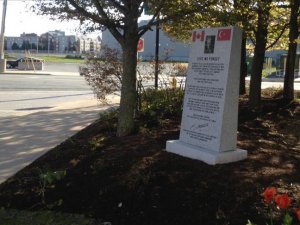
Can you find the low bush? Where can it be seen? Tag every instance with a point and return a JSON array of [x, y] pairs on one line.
[[104, 75], [272, 92], [161, 104], [74, 57]]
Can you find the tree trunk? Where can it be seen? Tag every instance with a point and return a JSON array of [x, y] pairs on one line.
[[128, 100], [243, 72], [288, 90], [259, 57]]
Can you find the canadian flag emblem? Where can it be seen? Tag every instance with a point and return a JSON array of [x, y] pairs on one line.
[[198, 36], [224, 35]]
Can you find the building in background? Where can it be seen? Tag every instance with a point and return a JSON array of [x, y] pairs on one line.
[[53, 42], [13, 43], [88, 45], [25, 41], [58, 40], [169, 48], [29, 41]]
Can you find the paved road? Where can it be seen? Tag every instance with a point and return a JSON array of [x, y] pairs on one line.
[[27, 93], [42, 82], [37, 112]]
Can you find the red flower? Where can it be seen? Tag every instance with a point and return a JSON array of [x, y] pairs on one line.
[[283, 201], [297, 211], [269, 194]]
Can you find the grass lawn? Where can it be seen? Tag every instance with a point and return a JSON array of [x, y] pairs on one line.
[[134, 181], [48, 58], [60, 59]]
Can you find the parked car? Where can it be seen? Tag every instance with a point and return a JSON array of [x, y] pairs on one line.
[[13, 64]]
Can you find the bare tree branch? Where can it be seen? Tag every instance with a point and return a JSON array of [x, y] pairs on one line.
[[278, 37], [86, 13], [117, 5], [110, 25]]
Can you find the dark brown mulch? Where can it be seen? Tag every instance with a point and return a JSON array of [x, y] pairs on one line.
[[133, 180]]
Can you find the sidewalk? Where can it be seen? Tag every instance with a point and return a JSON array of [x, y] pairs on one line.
[[26, 137]]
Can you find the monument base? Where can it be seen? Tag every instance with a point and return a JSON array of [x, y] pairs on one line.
[[207, 156]]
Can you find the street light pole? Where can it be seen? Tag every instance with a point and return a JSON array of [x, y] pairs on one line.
[[2, 59], [37, 44], [156, 55], [48, 44]]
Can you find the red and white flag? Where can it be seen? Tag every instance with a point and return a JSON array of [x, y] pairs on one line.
[[224, 34], [198, 36]]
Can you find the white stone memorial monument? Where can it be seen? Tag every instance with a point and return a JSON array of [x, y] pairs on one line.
[[210, 113]]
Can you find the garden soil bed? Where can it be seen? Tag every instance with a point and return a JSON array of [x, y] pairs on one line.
[[134, 181]]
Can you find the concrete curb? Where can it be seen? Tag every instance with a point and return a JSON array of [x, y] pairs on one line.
[[297, 80], [45, 73]]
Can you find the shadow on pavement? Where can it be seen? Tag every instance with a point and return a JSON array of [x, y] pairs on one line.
[[50, 97], [25, 138]]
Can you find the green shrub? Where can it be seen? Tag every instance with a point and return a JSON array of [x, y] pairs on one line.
[[74, 57], [104, 75], [48, 179], [161, 104]]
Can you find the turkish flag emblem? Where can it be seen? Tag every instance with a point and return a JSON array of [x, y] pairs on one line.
[[198, 36], [224, 35]]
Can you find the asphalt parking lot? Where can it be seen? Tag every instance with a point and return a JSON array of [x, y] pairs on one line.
[[62, 67]]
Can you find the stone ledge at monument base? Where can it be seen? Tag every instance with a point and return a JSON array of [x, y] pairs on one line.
[[205, 155]]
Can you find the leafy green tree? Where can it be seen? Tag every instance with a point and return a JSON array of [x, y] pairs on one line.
[[224, 13], [269, 16], [25, 45], [15, 46], [253, 17], [120, 17], [72, 48], [41, 46], [33, 46], [261, 33]]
